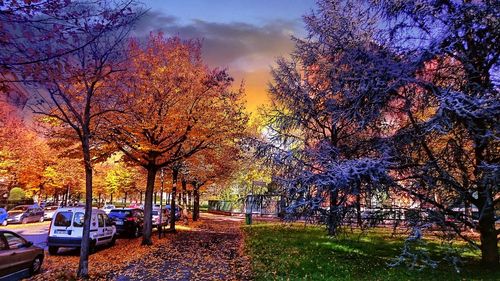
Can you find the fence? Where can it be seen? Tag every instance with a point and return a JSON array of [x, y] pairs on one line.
[[268, 205]]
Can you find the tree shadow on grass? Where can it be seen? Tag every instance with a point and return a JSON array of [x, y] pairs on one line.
[[307, 253]]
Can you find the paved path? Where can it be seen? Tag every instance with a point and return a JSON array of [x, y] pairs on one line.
[[212, 250]]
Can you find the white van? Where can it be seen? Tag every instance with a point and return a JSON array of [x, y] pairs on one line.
[[66, 229]]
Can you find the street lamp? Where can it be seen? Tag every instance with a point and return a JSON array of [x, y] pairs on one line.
[[160, 223]]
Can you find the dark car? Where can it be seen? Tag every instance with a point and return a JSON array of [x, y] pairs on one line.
[[178, 212], [25, 214], [128, 221], [18, 256]]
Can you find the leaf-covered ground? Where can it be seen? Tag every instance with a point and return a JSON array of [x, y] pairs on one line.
[[211, 249]]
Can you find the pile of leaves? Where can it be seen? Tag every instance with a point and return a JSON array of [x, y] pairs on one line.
[[210, 249]]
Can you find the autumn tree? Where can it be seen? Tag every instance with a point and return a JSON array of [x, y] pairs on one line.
[[23, 153], [72, 94], [188, 108], [211, 166]]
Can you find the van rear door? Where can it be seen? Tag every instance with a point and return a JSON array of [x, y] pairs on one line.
[[61, 224]]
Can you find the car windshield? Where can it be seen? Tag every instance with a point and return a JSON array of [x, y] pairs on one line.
[[19, 209], [63, 219], [119, 213]]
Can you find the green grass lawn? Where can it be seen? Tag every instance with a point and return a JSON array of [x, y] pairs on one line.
[[284, 252]]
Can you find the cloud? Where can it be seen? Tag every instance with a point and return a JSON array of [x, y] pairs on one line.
[[247, 50], [236, 45]]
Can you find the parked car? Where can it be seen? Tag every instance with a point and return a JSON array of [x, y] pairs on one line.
[[156, 217], [49, 212], [25, 214], [178, 212], [66, 229], [18, 255], [3, 217], [136, 206], [128, 221], [108, 208]]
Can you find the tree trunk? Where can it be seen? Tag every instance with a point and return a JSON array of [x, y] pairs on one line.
[[125, 199], [196, 202], [155, 197], [358, 210], [487, 230], [332, 214], [190, 200], [175, 173], [83, 266], [111, 199], [184, 194], [148, 206]]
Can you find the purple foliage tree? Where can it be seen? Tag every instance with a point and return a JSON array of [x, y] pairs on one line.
[[393, 96]]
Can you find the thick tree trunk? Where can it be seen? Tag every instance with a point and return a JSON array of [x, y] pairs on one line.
[[196, 202], [148, 206], [488, 232], [83, 266], [487, 227], [175, 173], [111, 199]]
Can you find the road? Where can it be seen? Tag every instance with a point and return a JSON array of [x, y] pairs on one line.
[[34, 232]]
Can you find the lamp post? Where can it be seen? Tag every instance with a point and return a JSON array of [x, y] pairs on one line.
[[160, 223]]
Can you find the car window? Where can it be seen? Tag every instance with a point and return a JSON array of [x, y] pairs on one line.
[[100, 220], [78, 219], [107, 220], [63, 219], [3, 246], [14, 241], [19, 208], [119, 213]]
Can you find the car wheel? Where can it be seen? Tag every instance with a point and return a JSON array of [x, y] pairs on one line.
[[24, 221], [53, 250], [113, 241], [4, 223], [36, 265], [92, 247], [41, 219]]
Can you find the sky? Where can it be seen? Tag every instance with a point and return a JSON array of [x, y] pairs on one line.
[[244, 36]]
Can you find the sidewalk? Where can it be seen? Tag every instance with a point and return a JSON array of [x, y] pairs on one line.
[[212, 250]]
